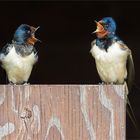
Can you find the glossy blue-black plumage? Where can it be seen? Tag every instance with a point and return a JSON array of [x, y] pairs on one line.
[[22, 33], [105, 43], [21, 50], [110, 26], [116, 64]]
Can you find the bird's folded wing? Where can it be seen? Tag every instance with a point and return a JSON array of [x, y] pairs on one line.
[[130, 66], [131, 71], [5, 50]]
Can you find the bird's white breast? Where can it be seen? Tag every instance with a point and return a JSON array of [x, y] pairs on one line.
[[111, 64], [17, 67]]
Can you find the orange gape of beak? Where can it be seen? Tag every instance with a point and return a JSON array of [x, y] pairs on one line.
[[100, 31], [32, 40]]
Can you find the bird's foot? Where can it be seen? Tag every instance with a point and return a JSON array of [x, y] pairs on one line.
[[25, 83], [112, 83], [107, 83], [102, 83], [11, 83]]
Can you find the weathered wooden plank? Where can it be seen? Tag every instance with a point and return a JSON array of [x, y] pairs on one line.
[[62, 112]]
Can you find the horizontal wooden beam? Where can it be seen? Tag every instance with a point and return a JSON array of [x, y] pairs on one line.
[[62, 112]]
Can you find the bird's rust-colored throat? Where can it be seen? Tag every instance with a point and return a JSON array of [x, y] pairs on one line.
[[32, 40]]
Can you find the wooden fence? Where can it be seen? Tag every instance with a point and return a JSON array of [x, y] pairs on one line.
[[62, 112]]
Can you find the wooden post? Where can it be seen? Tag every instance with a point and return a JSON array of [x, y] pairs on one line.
[[62, 112]]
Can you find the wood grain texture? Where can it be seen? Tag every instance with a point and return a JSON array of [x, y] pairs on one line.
[[62, 112]]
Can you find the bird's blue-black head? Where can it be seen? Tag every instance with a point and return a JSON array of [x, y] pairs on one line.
[[25, 34], [106, 28]]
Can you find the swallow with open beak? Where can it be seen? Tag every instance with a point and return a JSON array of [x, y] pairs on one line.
[[113, 58], [18, 57]]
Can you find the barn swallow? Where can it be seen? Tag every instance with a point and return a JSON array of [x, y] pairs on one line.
[[113, 58], [18, 57]]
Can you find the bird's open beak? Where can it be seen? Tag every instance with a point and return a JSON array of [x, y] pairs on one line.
[[100, 27], [37, 28], [33, 39], [33, 35]]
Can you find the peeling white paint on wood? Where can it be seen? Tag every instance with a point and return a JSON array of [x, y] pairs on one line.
[[7, 129], [27, 92], [119, 91], [36, 120], [2, 95], [54, 121], [13, 100], [1, 99], [16, 107], [84, 106], [107, 104], [71, 112], [21, 99]]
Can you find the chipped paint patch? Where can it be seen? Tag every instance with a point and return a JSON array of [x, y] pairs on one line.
[[2, 100], [54, 121], [84, 106], [119, 91], [15, 107], [7, 129], [107, 104], [27, 92], [13, 101], [2, 96], [36, 122]]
